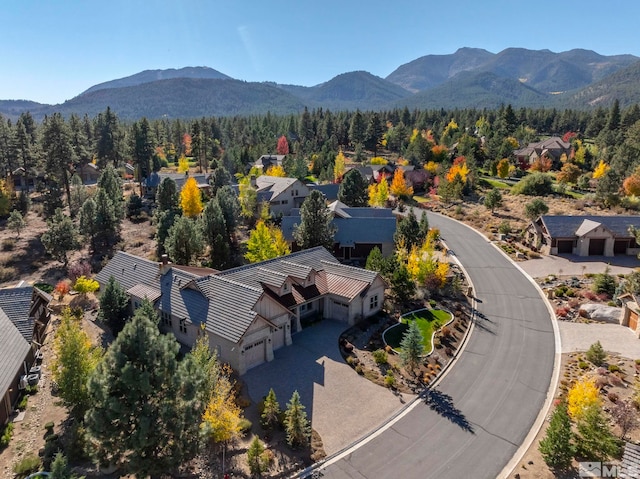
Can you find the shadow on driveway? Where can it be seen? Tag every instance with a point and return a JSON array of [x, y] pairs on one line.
[[341, 405]]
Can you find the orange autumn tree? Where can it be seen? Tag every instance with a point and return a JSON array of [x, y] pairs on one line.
[[399, 187], [631, 184], [186, 143], [503, 168], [542, 164], [440, 153], [459, 168], [283, 146], [190, 200]]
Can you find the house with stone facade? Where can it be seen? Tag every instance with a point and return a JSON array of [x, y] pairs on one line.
[[250, 311]]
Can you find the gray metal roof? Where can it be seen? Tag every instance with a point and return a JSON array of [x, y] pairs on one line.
[[352, 272], [179, 299], [129, 270], [295, 264], [566, 226], [230, 309], [329, 190], [16, 304], [14, 349], [354, 230]]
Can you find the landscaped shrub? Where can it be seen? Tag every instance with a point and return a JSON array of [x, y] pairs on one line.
[[614, 368], [389, 379], [604, 283], [535, 184], [22, 405], [359, 369], [380, 356], [574, 303], [613, 397], [583, 365], [562, 312], [615, 380], [5, 437], [596, 354], [590, 295], [27, 465]]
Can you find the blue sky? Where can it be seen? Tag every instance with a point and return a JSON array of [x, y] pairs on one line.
[[53, 50]]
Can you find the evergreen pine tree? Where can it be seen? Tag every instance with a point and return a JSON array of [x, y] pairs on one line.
[[271, 412], [411, 346], [353, 189], [146, 410], [184, 241], [214, 230], [296, 424], [408, 231], [556, 447], [114, 306], [315, 228], [595, 439]]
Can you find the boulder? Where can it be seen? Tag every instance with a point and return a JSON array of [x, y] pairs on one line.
[[601, 312]]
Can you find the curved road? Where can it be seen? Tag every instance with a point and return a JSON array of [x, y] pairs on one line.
[[473, 422]]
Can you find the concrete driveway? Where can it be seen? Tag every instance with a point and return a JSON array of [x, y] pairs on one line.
[[342, 406], [573, 265], [613, 337]]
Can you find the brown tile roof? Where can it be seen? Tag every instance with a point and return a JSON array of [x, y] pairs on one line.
[[344, 286]]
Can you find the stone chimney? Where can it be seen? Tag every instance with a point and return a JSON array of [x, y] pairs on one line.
[[253, 182], [164, 265]]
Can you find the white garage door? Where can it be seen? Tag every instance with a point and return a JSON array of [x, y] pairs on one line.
[[254, 354], [278, 338], [340, 310]]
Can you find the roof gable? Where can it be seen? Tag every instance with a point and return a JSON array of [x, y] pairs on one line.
[[16, 305], [566, 226]]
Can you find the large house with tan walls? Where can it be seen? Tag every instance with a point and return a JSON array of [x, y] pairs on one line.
[[248, 312]]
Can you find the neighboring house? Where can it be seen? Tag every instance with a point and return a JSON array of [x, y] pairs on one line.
[[150, 185], [584, 235], [20, 181], [328, 190], [24, 317], [282, 194], [267, 161], [88, 173], [248, 312], [553, 148], [365, 170], [381, 172], [358, 230]]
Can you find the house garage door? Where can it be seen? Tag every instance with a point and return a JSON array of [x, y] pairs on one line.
[[340, 310], [620, 246], [596, 247], [254, 354], [565, 246], [633, 320], [278, 338]]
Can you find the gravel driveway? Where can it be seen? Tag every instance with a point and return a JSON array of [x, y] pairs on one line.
[[342, 406]]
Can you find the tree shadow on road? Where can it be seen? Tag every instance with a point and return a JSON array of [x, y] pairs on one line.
[[443, 404]]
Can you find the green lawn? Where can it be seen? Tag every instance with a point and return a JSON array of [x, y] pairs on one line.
[[429, 320], [497, 183]]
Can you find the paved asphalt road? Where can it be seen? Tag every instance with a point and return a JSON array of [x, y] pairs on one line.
[[471, 425]]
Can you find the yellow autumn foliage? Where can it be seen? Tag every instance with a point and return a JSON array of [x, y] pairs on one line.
[[183, 164], [190, 199], [600, 170], [276, 170], [583, 394]]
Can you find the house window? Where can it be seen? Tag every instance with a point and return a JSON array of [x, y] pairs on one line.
[[291, 192], [183, 325], [285, 202], [373, 302]]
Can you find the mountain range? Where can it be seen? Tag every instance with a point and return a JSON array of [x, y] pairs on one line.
[[468, 78]]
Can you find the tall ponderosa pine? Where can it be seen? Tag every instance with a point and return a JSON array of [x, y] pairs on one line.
[[61, 237], [296, 424], [353, 189], [167, 196], [58, 151], [184, 241], [142, 149], [214, 230], [111, 183], [230, 207], [114, 305], [146, 409], [315, 228], [108, 139]]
